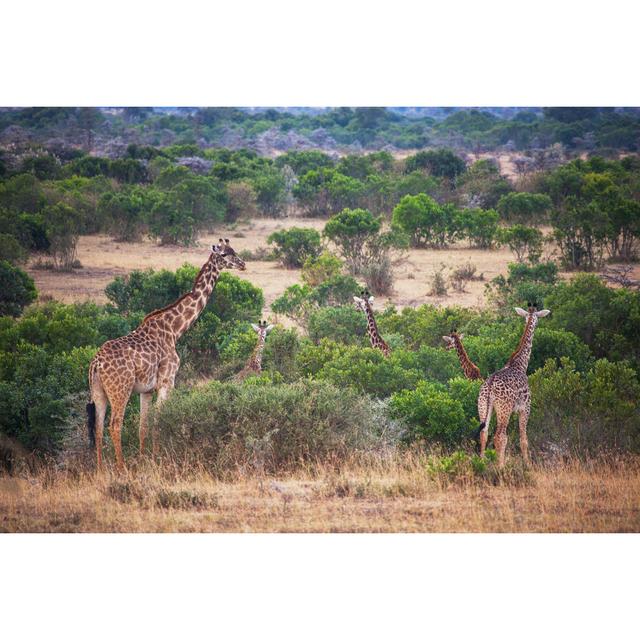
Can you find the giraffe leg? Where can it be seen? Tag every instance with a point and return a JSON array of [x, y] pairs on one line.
[[115, 429], [485, 408], [99, 398], [145, 403], [163, 392], [500, 437], [101, 410], [523, 419]]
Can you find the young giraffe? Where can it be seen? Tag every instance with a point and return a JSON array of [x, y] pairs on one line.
[[364, 304], [454, 341], [145, 360], [507, 391], [254, 365]]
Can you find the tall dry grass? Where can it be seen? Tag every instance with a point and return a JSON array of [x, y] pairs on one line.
[[397, 492]]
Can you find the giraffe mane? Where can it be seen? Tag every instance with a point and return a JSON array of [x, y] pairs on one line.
[[156, 312], [520, 346]]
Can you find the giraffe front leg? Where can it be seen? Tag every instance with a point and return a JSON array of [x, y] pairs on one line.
[[145, 404]]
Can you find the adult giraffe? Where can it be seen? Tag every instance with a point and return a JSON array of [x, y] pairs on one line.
[[145, 360], [507, 391], [364, 304]]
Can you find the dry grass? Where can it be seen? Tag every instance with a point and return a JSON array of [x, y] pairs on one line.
[[396, 494]]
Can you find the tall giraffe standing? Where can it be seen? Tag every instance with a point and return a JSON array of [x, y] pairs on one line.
[[507, 391], [145, 360], [364, 304], [254, 364], [454, 341]]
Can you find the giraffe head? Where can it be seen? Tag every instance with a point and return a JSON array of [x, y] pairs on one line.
[[450, 340], [262, 328], [225, 256], [362, 303], [532, 314]]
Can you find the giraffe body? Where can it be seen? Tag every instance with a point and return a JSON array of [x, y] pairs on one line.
[[254, 364], [145, 360], [507, 391], [454, 341], [364, 304]]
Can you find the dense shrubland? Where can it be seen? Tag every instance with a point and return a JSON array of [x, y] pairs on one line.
[[374, 207]]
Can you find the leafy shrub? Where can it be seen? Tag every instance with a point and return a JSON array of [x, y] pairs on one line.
[[605, 319], [585, 413], [432, 414], [525, 242], [425, 221], [295, 245], [343, 324], [523, 282], [379, 276], [11, 250], [269, 428], [438, 162], [480, 226], [352, 230], [316, 270], [438, 284], [524, 208], [17, 289]]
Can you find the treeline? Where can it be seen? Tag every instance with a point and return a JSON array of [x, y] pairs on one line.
[[576, 128]]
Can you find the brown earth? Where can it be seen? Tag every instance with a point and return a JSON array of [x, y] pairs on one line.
[[103, 259]]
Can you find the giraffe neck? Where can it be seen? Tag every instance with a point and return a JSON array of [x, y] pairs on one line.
[[255, 361], [180, 315], [471, 371], [519, 360], [372, 329]]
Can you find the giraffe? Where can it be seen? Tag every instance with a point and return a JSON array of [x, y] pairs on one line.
[[454, 341], [254, 364], [364, 304], [507, 391], [145, 360]]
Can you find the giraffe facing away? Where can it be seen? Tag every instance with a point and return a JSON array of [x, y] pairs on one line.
[[254, 364], [507, 391], [145, 360], [364, 304], [454, 341]]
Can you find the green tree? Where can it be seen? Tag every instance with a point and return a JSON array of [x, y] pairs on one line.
[[17, 289], [295, 245], [442, 163], [524, 208], [525, 242]]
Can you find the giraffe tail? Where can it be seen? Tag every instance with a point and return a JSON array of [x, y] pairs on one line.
[[91, 423]]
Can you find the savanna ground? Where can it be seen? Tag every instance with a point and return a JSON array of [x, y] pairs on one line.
[[400, 494]]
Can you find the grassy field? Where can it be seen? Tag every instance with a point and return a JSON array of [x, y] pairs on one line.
[[397, 494]]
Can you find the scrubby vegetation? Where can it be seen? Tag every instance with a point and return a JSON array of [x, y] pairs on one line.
[[324, 394]]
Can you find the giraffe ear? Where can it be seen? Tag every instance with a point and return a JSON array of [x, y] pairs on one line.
[[521, 312], [543, 313], [448, 339], [356, 299], [269, 327], [461, 336], [370, 299], [255, 327]]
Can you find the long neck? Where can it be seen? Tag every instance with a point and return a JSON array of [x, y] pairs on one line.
[[255, 361], [372, 329], [180, 315], [471, 371], [520, 358]]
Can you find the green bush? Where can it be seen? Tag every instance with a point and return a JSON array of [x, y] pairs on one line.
[[480, 226], [11, 250], [295, 245], [17, 289], [585, 413], [316, 270], [432, 414], [269, 428], [343, 324], [525, 242]]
